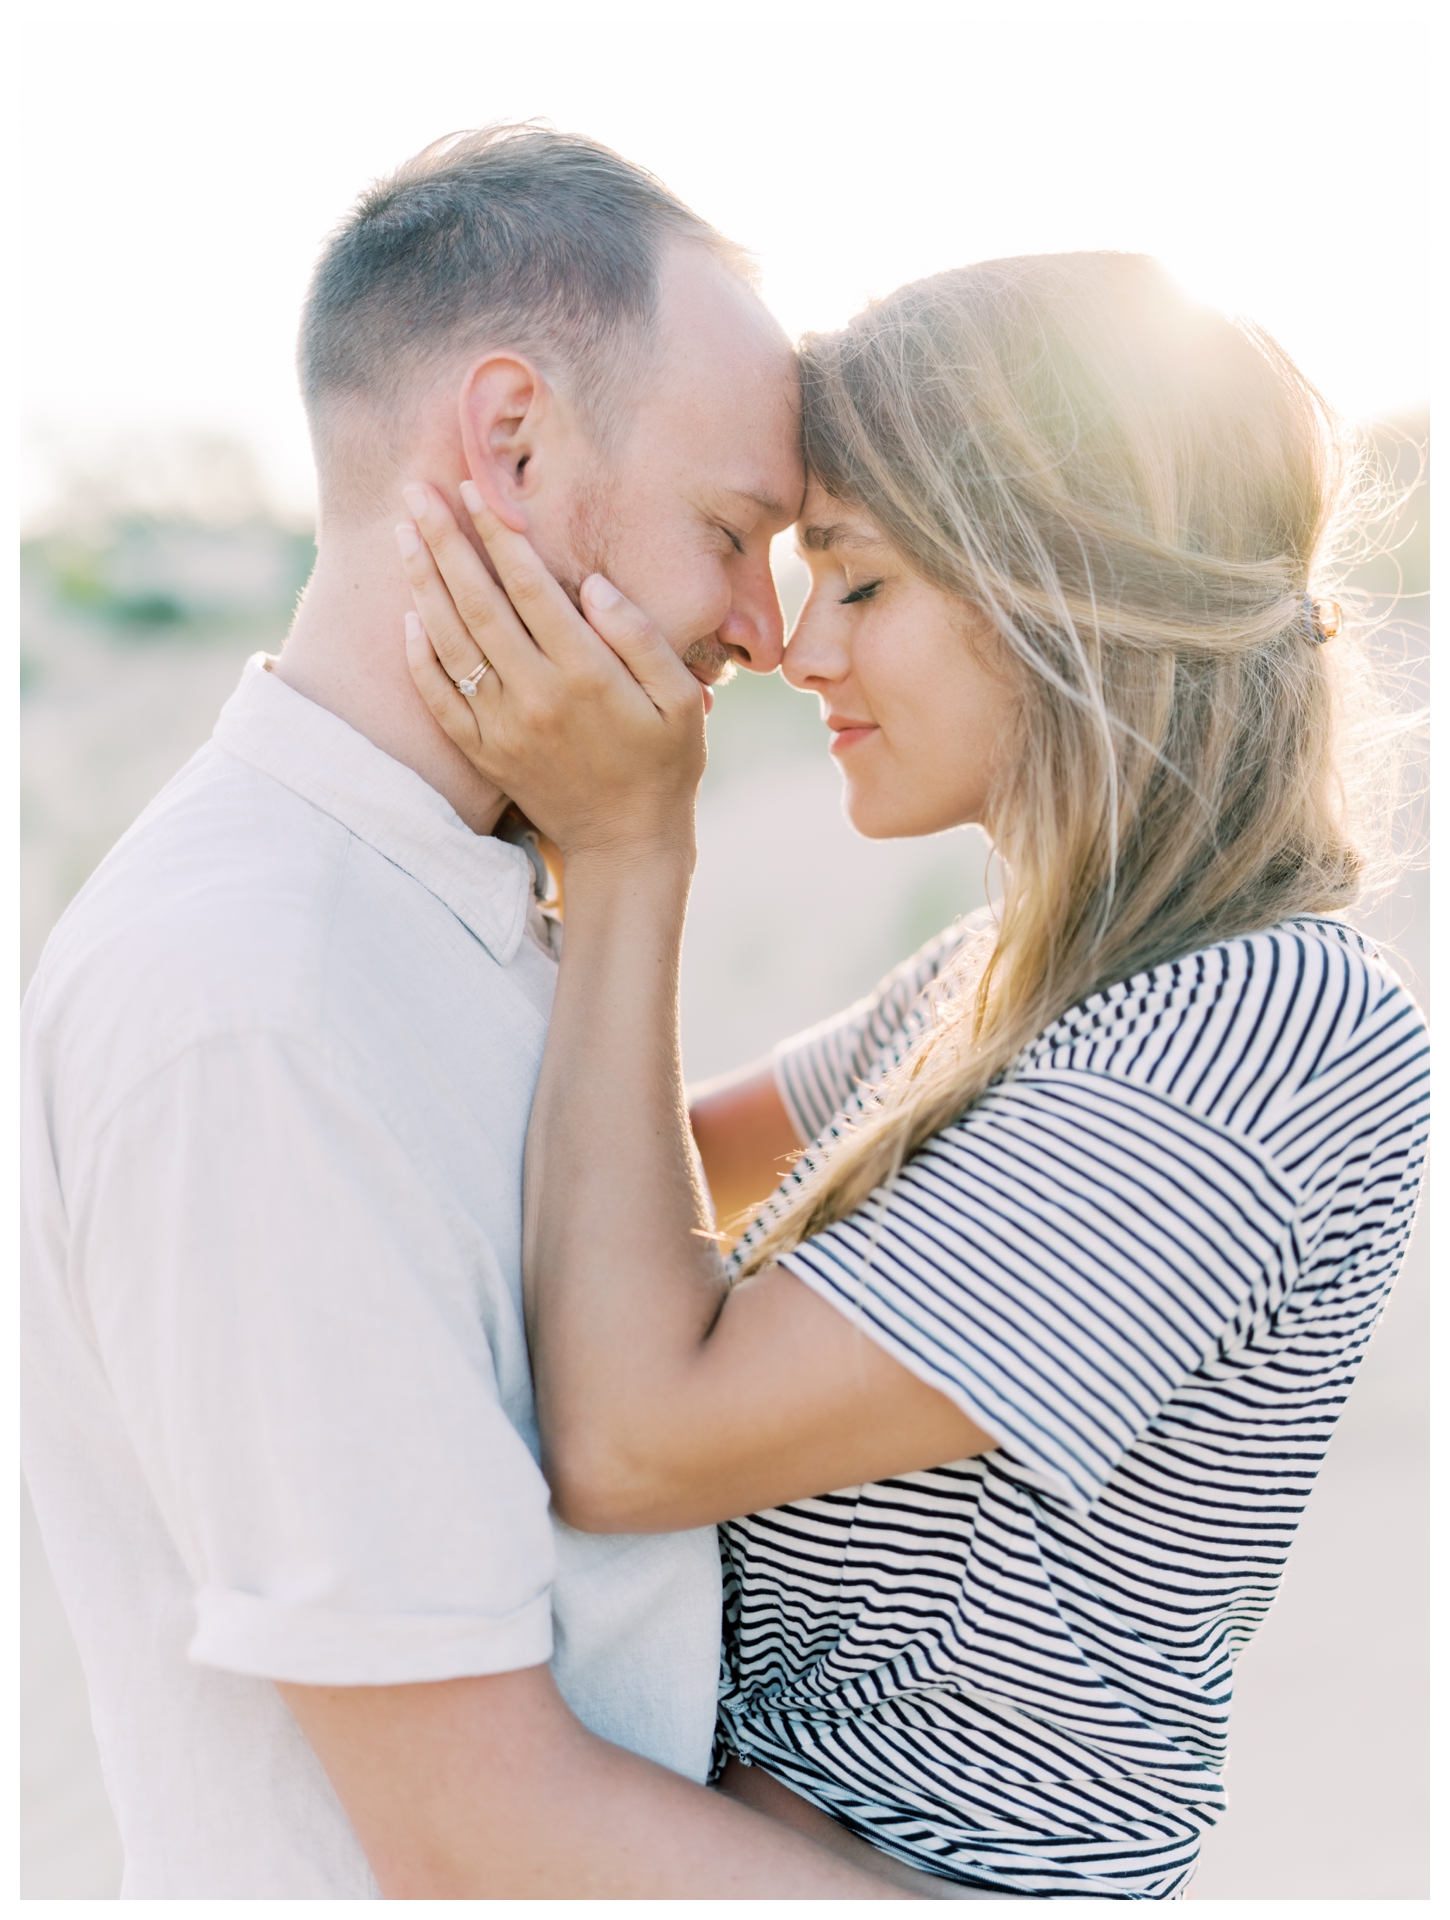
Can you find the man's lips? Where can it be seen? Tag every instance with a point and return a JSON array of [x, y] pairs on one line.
[[846, 733]]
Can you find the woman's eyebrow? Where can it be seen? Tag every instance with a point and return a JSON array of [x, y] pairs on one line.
[[833, 539]]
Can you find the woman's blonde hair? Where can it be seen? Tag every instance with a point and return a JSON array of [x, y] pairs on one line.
[[1142, 498]]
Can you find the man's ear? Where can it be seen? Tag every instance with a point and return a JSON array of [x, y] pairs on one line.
[[504, 409]]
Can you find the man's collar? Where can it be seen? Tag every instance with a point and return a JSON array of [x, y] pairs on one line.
[[485, 882]]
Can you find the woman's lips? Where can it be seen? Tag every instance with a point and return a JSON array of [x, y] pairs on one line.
[[846, 734]]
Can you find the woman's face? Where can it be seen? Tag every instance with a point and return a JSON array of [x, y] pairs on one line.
[[912, 683]]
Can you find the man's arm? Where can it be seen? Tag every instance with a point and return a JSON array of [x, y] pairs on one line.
[[746, 1141], [490, 1789]]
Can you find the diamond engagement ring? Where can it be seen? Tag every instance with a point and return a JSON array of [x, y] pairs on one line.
[[474, 680]]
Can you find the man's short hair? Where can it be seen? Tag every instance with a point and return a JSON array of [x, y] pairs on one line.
[[513, 236]]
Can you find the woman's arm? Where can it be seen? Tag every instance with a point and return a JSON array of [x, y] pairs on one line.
[[746, 1141], [665, 1399]]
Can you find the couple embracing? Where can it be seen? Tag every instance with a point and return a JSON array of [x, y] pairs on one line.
[[394, 1400]]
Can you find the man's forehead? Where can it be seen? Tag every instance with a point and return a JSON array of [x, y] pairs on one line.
[[706, 306]]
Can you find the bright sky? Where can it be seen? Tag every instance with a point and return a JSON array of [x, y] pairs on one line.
[[176, 172]]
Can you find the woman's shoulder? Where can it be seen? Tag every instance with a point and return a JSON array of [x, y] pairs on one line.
[[1244, 1029]]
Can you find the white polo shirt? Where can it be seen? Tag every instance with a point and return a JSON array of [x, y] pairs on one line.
[[278, 1422]]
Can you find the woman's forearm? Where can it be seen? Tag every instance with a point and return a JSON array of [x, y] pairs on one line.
[[665, 1400], [622, 1276]]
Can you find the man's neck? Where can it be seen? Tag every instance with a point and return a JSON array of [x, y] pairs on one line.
[[345, 652]]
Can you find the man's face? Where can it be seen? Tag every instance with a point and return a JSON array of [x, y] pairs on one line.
[[681, 512]]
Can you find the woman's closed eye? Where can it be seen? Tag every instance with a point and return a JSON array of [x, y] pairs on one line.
[[863, 592]]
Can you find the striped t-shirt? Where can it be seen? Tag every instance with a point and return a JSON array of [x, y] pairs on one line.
[[1148, 1262]]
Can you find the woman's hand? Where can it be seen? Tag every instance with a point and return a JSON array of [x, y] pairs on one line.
[[592, 726]]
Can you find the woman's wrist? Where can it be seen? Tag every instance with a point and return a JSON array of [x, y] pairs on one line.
[[658, 866]]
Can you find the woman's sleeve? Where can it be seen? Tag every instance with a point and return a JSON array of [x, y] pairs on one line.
[[822, 1071], [1060, 1261]]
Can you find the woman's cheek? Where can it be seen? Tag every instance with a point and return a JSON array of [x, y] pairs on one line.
[[882, 797]]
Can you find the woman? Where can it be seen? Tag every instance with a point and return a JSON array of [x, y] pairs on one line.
[[1011, 1398]]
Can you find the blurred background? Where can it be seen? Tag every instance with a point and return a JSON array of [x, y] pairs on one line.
[[185, 164]]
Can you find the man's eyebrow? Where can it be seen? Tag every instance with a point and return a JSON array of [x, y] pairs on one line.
[[765, 501]]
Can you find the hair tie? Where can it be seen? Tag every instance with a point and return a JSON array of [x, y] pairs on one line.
[[1325, 618]]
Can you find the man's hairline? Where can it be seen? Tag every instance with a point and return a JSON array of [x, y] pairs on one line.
[[605, 437]]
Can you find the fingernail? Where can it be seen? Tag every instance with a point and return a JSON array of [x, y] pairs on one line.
[[407, 538], [601, 593], [469, 494], [412, 626], [416, 498]]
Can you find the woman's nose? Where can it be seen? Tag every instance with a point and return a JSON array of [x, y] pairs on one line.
[[811, 655]]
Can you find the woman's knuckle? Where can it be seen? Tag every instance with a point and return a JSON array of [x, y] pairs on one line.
[[474, 608]]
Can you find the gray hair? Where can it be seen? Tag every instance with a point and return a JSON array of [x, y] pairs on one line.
[[512, 236]]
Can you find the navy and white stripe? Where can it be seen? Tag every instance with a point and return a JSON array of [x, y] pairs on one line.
[[1148, 1261]]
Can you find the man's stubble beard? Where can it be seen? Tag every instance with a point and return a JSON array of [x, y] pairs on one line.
[[593, 547], [715, 664]]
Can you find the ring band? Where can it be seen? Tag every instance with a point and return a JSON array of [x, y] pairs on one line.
[[471, 684]]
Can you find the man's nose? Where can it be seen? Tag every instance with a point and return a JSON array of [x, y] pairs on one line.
[[754, 627]]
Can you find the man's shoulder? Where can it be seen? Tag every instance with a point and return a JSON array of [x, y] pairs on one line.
[[210, 913]]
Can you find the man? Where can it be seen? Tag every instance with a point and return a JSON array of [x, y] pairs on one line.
[[278, 1062]]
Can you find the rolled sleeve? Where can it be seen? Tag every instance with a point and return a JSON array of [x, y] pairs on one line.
[[1059, 1262], [290, 1314], [318, 1646]]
